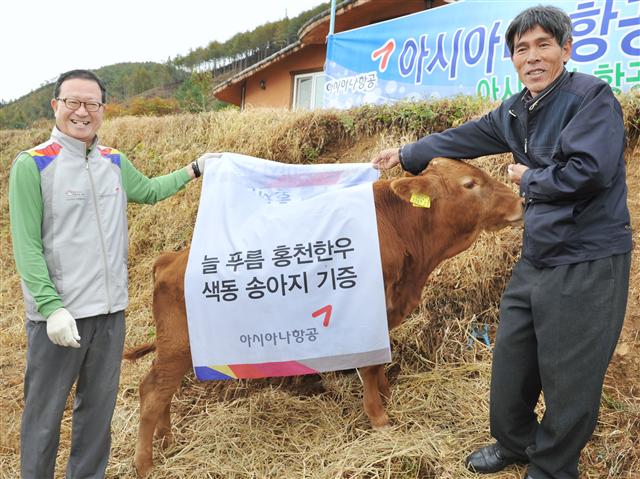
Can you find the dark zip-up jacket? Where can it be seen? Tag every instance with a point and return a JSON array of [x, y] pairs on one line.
[[571, 136]]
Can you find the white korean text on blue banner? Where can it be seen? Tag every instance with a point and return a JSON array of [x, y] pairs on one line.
[[461, 49]]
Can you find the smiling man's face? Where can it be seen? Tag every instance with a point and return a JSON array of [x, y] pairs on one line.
[[539, 59], [79, 124]]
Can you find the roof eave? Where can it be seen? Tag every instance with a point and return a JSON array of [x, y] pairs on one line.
[[313, 22], [247, 72]]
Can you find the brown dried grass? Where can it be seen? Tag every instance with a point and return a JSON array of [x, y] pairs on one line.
[[314, 426]]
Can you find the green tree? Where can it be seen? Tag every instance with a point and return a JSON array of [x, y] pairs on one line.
[[281, 32], [196, 93], [140, 81]]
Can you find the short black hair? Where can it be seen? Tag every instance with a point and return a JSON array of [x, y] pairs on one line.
[[83, 74], [551, 19]]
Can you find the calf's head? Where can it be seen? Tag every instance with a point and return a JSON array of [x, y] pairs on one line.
[[462, 195]]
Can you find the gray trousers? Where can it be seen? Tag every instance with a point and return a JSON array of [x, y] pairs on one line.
[[51, 372], [558, 330]]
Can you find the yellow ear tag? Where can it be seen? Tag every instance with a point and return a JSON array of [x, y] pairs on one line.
[[420, 201]]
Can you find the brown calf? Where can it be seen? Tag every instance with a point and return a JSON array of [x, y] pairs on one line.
[[413, 241]]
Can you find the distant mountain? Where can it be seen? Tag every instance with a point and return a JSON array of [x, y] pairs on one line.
[[182, 84], [122, 81]]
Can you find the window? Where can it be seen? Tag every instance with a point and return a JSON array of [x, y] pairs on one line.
[[308, 91]]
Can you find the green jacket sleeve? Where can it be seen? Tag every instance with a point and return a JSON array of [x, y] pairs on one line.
[[25, 213], [141, 189]]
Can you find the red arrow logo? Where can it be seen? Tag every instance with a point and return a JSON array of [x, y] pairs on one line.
[[384, 52], [326, 310]]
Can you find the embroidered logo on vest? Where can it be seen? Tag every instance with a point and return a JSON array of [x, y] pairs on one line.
[[75, 195]]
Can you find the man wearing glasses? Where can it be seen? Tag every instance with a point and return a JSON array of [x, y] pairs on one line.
[[67, 202]]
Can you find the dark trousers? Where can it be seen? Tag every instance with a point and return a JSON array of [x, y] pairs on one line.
[[558, 330], [51, 372]]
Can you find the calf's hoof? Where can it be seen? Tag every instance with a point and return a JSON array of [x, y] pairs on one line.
[[143, 468], [380, 422]]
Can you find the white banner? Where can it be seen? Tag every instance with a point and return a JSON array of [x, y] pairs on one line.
[[284, 274]]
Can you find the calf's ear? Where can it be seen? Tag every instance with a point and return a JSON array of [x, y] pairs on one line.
[[425, 185]]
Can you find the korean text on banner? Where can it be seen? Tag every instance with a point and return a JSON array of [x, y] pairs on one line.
[[460, 48], [284, 274]]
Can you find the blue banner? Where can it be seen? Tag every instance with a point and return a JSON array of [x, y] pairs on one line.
[[461, 49]]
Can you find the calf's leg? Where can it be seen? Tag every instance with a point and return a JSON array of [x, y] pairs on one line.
[[163, 427], [156, 391], [372, 399], [383, 384]]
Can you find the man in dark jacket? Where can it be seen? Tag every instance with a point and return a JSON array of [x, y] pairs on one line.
[[562, 311]]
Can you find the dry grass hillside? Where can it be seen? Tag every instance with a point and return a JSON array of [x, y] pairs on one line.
[[314, 426]]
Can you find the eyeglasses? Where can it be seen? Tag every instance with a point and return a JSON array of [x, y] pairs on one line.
[[73, 104]]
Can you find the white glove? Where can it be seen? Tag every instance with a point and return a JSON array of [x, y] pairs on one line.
[[200, 162], [62, 329]]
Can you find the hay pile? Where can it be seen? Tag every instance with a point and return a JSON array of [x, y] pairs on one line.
[[312, 426]]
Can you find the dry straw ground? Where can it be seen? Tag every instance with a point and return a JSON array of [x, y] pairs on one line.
[[314, 427]]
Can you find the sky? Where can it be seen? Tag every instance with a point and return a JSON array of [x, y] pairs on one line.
[[40, 39]]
